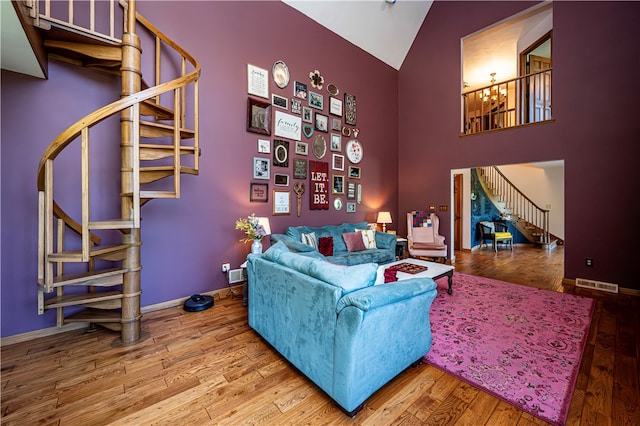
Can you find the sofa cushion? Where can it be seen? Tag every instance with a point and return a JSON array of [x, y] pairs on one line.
[[354, 241], [309, 239], [297, 262], [274, 252], [369, 238], [325, 246], [349, 278]]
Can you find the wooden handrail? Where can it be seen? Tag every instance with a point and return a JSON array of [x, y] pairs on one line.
[[508, 103]]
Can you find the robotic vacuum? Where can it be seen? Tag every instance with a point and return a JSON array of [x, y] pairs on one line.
[[198, 303]]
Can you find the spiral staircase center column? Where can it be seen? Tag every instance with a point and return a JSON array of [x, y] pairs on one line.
[[131, 82]]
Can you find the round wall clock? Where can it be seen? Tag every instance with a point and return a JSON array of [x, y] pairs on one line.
[[280, 74], [354, 151], [319, 146]]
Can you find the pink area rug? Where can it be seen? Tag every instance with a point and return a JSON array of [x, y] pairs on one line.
[[521, 344]]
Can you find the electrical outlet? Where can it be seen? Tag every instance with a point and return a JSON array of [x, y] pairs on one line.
[[588, 262], [226, 266]]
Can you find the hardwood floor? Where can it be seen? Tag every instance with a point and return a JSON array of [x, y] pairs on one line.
[[210, 368]]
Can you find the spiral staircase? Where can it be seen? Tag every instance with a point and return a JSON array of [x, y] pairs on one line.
[[89, 267]]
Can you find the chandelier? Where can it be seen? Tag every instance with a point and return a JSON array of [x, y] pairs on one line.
[[494, 94]]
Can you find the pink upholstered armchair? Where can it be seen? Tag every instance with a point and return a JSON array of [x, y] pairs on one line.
[[422, 233]]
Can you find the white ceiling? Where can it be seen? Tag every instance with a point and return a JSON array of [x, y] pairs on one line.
[[383, 29]]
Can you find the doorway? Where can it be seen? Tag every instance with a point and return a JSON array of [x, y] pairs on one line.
[[542, 181]]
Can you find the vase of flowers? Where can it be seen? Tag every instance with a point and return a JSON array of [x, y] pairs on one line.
[[253, 230]]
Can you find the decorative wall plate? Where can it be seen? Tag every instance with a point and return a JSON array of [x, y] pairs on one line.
[[332, 89], [337, 203], [354, 151], [319, 146], [280, 74]]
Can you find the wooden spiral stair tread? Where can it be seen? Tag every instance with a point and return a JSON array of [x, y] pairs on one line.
[[86, 299], [104, 277], [113, 252], [149, 129], [152, 174], [156, 152]]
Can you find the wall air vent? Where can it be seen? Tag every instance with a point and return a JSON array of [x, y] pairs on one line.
[[597, 285], [236, 276]]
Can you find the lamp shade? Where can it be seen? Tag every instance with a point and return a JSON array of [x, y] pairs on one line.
[[264, 221], [384, 217]]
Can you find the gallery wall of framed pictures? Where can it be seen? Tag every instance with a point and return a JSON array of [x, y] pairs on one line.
[[308, 149]]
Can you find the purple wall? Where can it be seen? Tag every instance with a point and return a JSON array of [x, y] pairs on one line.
[[184, 241], [596, 58]]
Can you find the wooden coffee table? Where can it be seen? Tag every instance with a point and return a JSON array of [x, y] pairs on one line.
[[434, 270]]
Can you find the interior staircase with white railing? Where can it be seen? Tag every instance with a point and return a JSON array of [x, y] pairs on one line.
[[530, 220], [88, 266]]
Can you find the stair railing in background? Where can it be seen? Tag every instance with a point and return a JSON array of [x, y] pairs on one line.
[[520, 101], [521, 205]]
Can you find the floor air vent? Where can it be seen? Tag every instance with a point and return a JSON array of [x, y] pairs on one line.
[[597, 285]]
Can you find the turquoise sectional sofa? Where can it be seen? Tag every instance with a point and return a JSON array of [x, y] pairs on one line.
[[384, 252], [349, 336]]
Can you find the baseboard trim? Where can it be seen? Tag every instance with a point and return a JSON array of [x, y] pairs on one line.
[[50, 331]]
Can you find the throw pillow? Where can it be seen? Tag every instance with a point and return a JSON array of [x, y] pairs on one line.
[[390, 274], [349, 278], [353, 240], [325, 246], [274, 252], [310, 239], [369, 238]]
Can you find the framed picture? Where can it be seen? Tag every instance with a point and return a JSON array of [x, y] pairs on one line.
[[280, 179], [337, 184], [296, 106], [359, 193], [261, 168], [336, 124], [322, 123], [316, 100], [264, 146], [259, 192], [279, 101], [336, 142], [287, 126], [299, 168], [307, 114], [354, 172], [337, 162], [351, 207], [281, 202], [280, 153], [335, 106], [351, 190], [258, 116], [349, 109], [257, 81], [302, 148], [300, 90]]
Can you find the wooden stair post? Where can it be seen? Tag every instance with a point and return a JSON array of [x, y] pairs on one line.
[[130, 130]]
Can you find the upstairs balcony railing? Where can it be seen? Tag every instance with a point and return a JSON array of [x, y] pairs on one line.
[[520, 101]]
